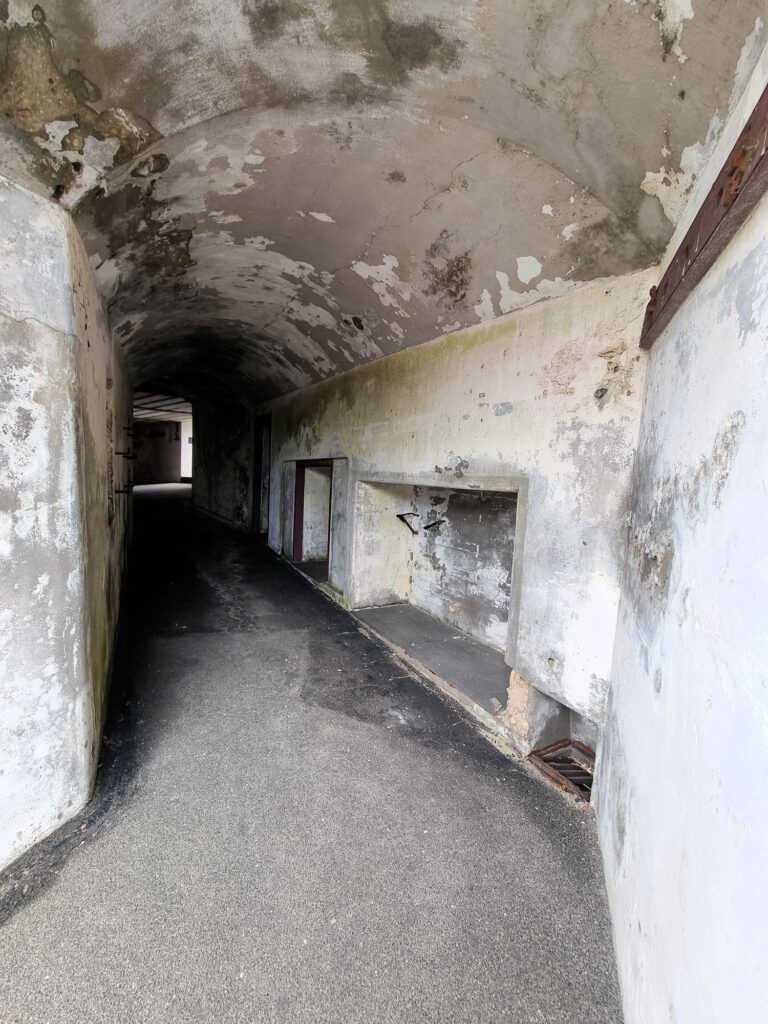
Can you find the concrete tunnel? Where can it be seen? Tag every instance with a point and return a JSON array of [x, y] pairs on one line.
[[436, 327]]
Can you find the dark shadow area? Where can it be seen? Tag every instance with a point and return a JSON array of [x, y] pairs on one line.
[[318, 571]]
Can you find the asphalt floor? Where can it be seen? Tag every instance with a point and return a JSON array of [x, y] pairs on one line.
[[290, 827]]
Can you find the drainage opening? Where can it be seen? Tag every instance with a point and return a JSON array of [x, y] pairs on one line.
[[569, 764]]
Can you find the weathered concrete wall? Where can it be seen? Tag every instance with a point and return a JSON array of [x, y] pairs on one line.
[[62, 523], [103, 403], [157, 446], [452, 557], [682, 791], [317, 513], [462, 569], [545, 403], [221, 474]]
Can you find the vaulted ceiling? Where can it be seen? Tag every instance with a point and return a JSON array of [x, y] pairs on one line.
[[273, 191]]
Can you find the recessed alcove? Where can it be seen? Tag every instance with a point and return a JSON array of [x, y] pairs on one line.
[[432, 574]]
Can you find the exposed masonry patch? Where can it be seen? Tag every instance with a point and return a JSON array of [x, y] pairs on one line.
[[617, 379], [37, 97]]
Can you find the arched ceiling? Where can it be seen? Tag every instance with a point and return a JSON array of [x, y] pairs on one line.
[[273, 191]]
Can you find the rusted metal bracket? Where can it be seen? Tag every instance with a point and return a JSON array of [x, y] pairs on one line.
[[434, 523], [404, 517], [735, 193]]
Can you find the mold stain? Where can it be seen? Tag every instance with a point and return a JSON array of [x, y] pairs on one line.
[[268, 19], [393, 48], [133, 218], [416, 46], [449, 277]]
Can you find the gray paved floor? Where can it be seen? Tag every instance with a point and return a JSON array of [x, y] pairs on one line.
[[289, 829], [474, 667]]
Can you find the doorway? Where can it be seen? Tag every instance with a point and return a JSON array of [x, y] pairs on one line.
[[312, 518]]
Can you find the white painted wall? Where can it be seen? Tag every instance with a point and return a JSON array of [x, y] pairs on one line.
[[317, 513], [61, 523], [547, 400], [186, 448], [682, 776]]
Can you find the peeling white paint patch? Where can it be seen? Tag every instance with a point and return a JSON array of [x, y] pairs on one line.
[[55, 132], [311, 314], [748, 58], [569, 230], [396, 329], [324, 217], [225, 218], [510, 300], [484, 308], [672, 187], [19, 12], [547, 210], [508, 297], [259, 242], [528, 267], [670, 14], [202, 170], [385, 282]]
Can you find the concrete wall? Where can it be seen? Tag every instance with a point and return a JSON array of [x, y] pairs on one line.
[[223, 452], [459, 570], [317, 513], [682, 801], [157, 447], [62, 521], [187, 441], [545, 403], [462, 569]]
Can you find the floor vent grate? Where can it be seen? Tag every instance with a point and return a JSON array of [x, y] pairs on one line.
[[569, 764]]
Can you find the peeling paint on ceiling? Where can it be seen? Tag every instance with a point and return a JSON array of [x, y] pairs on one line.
[[272, 191]]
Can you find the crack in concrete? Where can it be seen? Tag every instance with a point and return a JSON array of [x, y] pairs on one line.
[[447, 188]]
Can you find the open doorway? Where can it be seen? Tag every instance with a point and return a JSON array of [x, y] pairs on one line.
[[161, 439], [312, 518]]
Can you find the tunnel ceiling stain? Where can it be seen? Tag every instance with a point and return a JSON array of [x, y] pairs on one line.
[[274, 192]]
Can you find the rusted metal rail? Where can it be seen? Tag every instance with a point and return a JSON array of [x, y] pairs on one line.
[[735, 193]]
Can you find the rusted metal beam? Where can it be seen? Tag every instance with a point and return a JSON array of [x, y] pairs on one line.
[[736, 191]]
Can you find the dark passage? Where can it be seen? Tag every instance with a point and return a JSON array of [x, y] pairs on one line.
[[289, 828]]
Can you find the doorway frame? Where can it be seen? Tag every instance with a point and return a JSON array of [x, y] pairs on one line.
[[298, 506]]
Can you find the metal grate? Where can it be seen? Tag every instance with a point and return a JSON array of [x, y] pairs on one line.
[[569, 764]]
